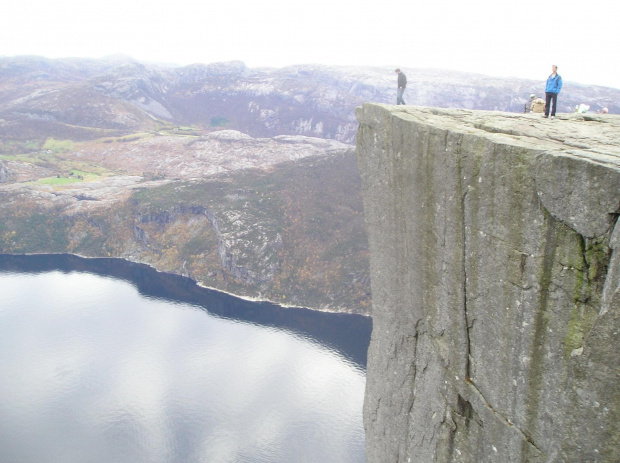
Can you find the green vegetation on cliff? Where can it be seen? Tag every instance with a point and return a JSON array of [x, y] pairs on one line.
[[308, 213]]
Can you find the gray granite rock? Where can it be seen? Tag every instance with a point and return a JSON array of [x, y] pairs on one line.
[[495, 285], [4, 173]]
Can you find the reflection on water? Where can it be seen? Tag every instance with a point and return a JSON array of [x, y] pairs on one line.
[[93, 370]]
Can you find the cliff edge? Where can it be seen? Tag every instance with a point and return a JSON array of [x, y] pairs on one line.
[[495, 269]]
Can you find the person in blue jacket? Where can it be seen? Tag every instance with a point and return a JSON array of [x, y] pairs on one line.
[[554, 85]]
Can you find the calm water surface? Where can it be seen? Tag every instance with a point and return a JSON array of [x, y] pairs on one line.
[[105, 361]]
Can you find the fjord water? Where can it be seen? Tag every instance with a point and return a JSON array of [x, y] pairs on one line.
[[107, 361]]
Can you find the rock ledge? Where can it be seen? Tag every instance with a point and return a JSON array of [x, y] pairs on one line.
[[495, 285]]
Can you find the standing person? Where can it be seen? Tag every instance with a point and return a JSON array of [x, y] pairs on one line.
[[402, 83], [554, 85]]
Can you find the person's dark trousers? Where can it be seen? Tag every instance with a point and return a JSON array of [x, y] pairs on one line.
[[550, 97]]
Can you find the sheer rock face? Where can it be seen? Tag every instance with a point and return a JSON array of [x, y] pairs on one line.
[[495, 283]]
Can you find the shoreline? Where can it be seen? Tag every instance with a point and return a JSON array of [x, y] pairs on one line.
[[197, 283]]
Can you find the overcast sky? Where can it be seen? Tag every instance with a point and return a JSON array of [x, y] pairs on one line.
[[493, 37]]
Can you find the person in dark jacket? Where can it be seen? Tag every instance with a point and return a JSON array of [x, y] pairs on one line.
[[402, 83], [554, 85]]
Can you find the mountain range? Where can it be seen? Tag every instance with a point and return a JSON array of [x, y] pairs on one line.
[[81, 98]]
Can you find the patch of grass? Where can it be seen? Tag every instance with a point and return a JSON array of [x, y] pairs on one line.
[[58, 146], [134, 137], [28, 158], [58, 180], [12, 147], [166, 128], [187, 131], [74, 176], [126, 138], [80, 173], [164, 125]]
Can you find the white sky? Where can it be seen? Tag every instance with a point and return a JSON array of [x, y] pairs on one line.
[[518, 39]]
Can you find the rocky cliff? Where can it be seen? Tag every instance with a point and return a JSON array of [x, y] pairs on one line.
[[495, 284]]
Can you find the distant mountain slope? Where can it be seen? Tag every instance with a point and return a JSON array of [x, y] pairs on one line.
[[278, 219], [73, 98]]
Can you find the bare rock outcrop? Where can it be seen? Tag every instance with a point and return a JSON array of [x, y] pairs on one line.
[[495, 284], [4, 172]]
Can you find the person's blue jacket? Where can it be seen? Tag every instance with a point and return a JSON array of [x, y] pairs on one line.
[[554, 84]]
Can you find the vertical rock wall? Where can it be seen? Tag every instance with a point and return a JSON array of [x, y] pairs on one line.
[[495, 286]]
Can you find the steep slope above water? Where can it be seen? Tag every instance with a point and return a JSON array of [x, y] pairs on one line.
[[278, 219]]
